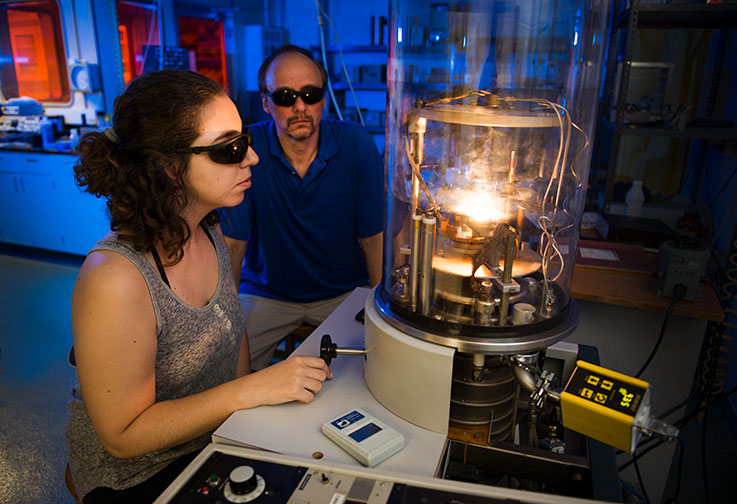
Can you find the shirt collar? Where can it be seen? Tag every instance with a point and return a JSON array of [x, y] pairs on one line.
[[327, 145]]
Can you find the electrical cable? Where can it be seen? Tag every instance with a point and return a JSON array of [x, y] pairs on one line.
[[717, 282], [672, 500], [709, 390], [676, 407], [679, 292], [325, 60], [716, 399], [680, 424], [342, 61], [639, 477], [150, 35], [631, 490]]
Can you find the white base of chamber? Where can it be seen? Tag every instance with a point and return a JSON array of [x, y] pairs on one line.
[[408, 376]]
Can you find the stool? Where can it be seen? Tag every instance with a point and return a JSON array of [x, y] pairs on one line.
[[70, 484], [292, 340]]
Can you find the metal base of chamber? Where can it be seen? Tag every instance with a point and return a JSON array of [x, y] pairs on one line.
[[410, 372], [514, 340]]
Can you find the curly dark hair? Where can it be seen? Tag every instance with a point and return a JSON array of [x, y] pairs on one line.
[[283, 50], [155, 116]]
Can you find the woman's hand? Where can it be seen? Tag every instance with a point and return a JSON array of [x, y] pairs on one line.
[[293, 379]]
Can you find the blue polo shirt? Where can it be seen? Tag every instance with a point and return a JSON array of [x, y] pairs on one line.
[[302, 234]]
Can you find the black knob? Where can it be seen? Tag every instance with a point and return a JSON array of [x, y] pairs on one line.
[[327, 349], [243, 480]]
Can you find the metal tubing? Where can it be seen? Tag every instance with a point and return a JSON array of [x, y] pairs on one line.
[[512, 167], [417, 128], [351, 351], [526, 379], [503, 309], [415, 193], [509, 258], [507, 277], [428, 250], [414, 262]]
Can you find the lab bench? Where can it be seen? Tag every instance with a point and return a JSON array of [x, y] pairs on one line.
[[41, 205]]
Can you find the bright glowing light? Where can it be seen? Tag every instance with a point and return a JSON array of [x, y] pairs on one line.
[[22, 59], [480, 207], [399, 34], [460, 266]]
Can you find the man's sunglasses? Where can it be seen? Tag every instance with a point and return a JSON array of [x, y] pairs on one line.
[[232, 151], [286, 97]]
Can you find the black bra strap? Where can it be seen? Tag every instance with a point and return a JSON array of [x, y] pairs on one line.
[[160, 266], [207, 232], [157, 259]]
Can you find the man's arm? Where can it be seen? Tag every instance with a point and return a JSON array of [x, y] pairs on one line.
[[374, 255], [237, 249]]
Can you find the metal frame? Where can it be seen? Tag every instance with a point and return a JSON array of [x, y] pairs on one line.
[[639, 16]]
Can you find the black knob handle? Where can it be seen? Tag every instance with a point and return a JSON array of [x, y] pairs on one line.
[[243, 480], [328, 349]]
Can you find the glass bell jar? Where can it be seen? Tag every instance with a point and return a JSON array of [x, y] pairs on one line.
[[491, 113]]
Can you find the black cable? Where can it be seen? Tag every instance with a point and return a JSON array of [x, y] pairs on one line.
[[677, 406], [716, 342], [680, 424], [720, 276], [691, 395], [649, 440], [714, 400], [639, 478], [679, 292], [681, 448]]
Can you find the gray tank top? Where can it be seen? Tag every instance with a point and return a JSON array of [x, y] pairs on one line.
[[197, 350]]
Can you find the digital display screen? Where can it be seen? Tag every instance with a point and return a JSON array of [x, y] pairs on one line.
[[606, 391], [364, 432]]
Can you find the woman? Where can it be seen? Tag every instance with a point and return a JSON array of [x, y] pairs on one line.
[[159, 334]]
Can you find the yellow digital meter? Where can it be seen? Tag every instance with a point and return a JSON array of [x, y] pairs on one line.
[[608, 406]]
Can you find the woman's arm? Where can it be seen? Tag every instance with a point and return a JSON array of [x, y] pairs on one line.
[[115, 345], [244, 358]]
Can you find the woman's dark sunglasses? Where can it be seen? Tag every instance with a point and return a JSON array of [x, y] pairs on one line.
[[232, 151], [286, 97]]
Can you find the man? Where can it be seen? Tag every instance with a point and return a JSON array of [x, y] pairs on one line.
[[310, 228]]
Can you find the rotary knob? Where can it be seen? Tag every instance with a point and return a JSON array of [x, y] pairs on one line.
[[244, 485], [243, 480]]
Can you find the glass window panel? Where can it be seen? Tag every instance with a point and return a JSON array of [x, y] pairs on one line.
[[138, 27], [38, 67], [205, 38]]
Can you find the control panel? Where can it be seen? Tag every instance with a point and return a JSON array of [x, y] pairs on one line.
[[609, 406], [224, 474]]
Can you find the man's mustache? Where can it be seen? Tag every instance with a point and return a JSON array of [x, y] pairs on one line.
[[297, 118]]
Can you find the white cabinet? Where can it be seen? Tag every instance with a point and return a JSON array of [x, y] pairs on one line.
[[40, 205], [83, 217], [27, 193], [10, 202]]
